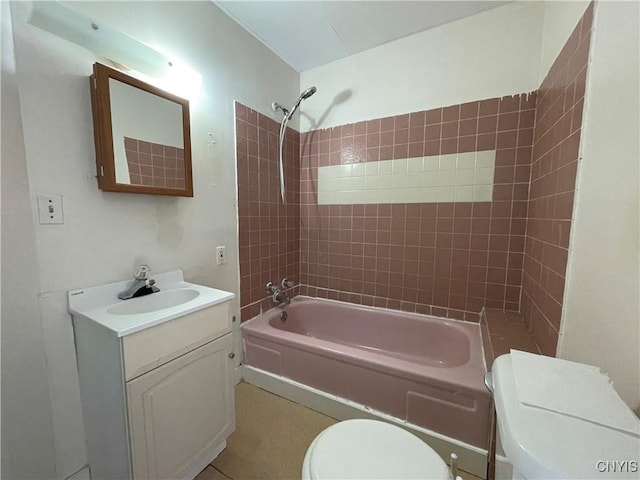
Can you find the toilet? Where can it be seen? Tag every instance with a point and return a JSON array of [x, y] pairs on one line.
[[541, 441], [370, 449]]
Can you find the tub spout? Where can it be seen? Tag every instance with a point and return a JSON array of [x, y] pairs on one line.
[[280, 297], [276, 295]]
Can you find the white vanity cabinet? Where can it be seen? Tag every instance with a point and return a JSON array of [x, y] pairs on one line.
[[157, 402], [181, 412]]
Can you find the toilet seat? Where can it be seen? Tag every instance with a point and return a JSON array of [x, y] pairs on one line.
[[369, 449]]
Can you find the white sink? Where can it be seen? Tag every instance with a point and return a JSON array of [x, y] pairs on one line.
[[176, 298], [154, 301]]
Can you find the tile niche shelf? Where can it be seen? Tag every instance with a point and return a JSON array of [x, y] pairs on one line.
[[502, 331]]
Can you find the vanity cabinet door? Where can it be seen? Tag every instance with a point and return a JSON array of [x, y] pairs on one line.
[[181, 412]]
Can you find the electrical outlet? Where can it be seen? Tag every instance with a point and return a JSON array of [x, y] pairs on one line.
[[221, 255], [50, 209]]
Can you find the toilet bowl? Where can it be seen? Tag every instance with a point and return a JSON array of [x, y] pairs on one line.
[[369, 449]]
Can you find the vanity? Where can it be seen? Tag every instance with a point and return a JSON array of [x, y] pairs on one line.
[[155, 377]]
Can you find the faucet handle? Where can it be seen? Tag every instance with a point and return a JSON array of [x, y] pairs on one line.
[[287, 283], [143, 272], [271, 288]]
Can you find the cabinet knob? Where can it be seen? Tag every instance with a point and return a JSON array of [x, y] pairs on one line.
[[232, 355]]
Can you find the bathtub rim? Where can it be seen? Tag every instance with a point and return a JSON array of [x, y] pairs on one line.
[[299, 298], [461, 327]]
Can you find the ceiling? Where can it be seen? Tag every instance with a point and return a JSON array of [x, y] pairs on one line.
[[307, 34]]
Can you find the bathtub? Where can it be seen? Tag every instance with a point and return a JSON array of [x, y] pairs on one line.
[[424, 370]]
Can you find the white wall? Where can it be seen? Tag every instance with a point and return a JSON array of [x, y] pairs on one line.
[[27, 435], [601, 318], [560, 18], [105, 235], [491, 54]]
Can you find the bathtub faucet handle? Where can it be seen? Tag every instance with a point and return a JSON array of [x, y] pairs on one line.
[[271, 288], [287, 283], [276, 295]]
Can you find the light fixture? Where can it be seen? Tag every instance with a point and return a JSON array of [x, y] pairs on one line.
[[103, 40]]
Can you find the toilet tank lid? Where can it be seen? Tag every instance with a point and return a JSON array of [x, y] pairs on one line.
[[542, 444], [369, 449]]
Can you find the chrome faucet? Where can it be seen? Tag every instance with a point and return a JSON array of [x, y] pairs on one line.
[[142, 284], [278, 297]]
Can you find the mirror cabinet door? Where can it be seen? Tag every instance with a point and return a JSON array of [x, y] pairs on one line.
[[142, 136]]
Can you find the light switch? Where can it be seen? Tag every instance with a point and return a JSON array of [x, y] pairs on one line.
[[50, 209]]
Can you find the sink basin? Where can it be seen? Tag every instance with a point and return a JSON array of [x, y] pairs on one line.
[[176, 298], [154, 301]]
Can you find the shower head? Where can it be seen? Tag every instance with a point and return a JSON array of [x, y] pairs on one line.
[[289, 113], [303, 96], [308, 92]]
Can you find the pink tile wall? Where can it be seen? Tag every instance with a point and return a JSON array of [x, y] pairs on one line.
[[554, 167], [447, 259], [154, 165], [269, 232]]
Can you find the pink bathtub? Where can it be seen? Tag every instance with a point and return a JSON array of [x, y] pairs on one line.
[[425, 370]]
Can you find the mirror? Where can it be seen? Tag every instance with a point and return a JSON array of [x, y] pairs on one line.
[[142, 136]]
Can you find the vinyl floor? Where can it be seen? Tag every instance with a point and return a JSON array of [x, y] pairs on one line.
[[271, 438]]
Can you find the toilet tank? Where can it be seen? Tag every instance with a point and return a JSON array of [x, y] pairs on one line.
[[538, 443]]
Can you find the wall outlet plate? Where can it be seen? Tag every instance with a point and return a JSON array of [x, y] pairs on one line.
[[221, 255]]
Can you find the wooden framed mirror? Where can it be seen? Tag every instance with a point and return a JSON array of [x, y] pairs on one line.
[[142, 136]]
